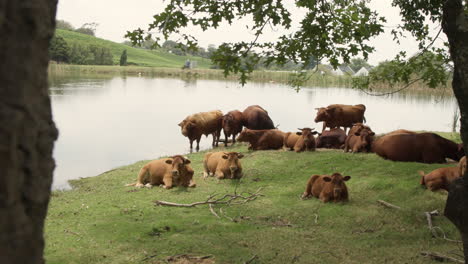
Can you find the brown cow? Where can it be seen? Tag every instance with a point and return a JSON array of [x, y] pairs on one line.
[[300, 141], [204, 123], [327, 188], [339, 115], [333, 138], [255, 117], [421, 147], [400, 131], [357, 128], [290, 139], [232, 125], [168, 171], [359, 141], [223, 165], [462, 166], [439, 178], [262, 139]]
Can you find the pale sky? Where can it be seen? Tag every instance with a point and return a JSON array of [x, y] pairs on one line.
[[117, 16]]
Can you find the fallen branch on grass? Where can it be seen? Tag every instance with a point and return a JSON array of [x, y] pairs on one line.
[[228, 199], [388, 205], [435, 230], [440, 257], [251, 259]]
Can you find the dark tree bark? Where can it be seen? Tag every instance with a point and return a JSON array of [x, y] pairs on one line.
[[455, 25], [27, 132]]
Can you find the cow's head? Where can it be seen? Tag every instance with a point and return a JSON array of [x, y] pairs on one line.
[[244, 135], [307, 134], [337, 185], [322, 114], [365, 140], [186, 127], [228, 122], [177, 163], [232, 159]]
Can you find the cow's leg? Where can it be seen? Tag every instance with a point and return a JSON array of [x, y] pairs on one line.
[[219, 174], [198, 143], [191, 143], [192, 184], [233, 139], [167, 182], [225, 138]]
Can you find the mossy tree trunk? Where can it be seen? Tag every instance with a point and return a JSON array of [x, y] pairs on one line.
[[27, 132], [455, 25]]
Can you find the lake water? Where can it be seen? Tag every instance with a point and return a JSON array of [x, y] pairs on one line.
[[110, 122]]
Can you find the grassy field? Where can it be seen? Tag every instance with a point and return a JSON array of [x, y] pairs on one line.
[[138, 56], [102, 221]]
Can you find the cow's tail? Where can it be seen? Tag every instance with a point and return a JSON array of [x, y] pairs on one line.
[[364, 119], [422, 177], [131, 184]]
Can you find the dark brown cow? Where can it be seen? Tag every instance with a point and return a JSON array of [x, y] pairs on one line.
[[333, 138], [360, 141], [339, 115], [168, 171], [224, 165], [255, 117], [327, 188], [439, 178], [262, 139], [421, 147], [232, 125], [204, 123]]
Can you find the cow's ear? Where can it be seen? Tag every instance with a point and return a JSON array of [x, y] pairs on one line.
[[240, 155], [356, 133], [327, 179], [225, 156], [187, 161], [372, 134], [299, 133], [169, 161], [346, 178], [180, 124], [315, 133]]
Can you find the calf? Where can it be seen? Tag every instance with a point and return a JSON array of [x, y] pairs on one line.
[[223, 165], [359, 141], [262, 139], [439, 178], [168, 172], [327, 188]]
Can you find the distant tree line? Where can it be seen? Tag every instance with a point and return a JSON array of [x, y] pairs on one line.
[[61, 51], [86, 28]]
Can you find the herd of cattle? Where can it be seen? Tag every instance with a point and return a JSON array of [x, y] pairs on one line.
[[256, 127]]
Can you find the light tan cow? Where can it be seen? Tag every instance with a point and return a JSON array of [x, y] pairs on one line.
[[223, 165], [173, 171]]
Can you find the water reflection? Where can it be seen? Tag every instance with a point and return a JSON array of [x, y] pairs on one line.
[[107, 122]]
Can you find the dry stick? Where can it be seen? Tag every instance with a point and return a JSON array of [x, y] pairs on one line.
[[389, 205], [439, 257], [213, 211], [434, 229], [251, 259]]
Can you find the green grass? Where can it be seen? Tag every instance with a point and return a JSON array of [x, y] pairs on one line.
[[101, 221], [138, 56]]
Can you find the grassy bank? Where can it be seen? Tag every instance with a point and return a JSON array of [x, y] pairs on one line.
[[138, 56], [101, 221]]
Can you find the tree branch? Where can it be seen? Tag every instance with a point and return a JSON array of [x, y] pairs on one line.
[[440, 257], [388, 205]]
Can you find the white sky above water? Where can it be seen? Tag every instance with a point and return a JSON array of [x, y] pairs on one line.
[[117, 16]]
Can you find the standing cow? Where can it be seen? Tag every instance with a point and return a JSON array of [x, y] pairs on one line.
[[255, 117], [300, 141], [327, 188], [204, 123], [168, 172], [232, 125], [339, 115], [224, 165], [421, 147], [262, 139]]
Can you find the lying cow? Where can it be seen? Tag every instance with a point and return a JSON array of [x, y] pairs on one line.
[[339, 115], [255, 117], [224, 165], [359, 139], [232, 125], [401, 131], [327, 188], [300, 141], [439, 178], [333, 138], [262, 139], [174, 171], [421, 147], [204, 123]]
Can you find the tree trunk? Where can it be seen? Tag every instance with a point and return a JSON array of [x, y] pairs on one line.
[[455, 25], [27, 132]]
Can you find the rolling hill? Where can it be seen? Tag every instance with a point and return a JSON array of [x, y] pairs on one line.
[[136, 56]]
